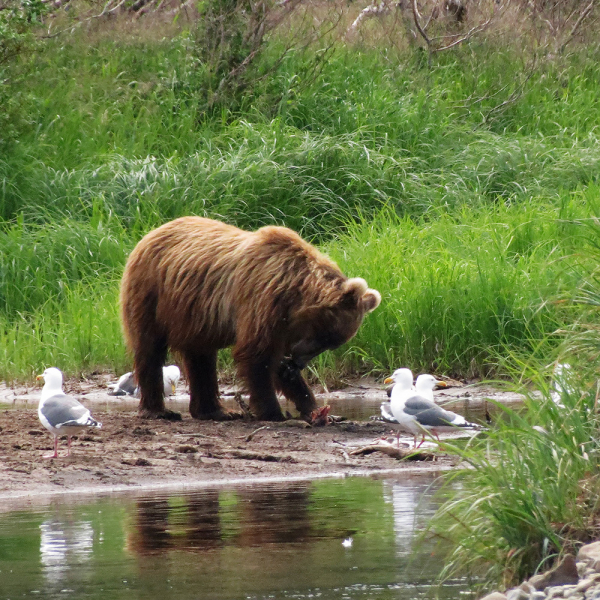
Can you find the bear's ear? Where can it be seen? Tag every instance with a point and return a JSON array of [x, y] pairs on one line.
[[356, 289], [371, 300]]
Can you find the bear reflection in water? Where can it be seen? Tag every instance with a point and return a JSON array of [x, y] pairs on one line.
[[195, 286], [200, 522]]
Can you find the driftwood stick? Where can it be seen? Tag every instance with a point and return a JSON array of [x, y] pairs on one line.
[[395, 452]]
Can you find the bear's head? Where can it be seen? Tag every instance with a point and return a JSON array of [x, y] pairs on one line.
[[325, 327]]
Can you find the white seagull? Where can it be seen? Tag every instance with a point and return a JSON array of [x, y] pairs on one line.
[[60, 413], [171, 375], [423, 387], [418, 415], [425, 384], [128, 386]]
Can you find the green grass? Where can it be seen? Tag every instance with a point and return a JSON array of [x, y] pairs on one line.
[[458, 290], [459, 213], [529, 494]]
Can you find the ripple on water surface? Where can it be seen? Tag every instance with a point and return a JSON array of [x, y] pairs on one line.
[[251, 542]]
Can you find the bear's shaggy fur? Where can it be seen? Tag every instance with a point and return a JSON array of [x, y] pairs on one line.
[[196, 285]]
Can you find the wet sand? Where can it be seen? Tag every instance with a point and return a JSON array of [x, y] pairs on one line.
[[134, 453]]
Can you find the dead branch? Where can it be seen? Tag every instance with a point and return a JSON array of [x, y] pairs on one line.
[[105, 11], [395, 452], [417, 20], [248, 438], [582, 17], [373, 10], [467, 36]]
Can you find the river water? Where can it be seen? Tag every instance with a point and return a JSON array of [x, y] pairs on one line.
[[255, 542]]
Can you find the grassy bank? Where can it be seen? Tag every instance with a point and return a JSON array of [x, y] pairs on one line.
[[463, 185], [451, 188], [530, 492], [459, 290]]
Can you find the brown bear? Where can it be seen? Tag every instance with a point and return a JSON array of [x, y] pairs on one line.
[[196, 285]]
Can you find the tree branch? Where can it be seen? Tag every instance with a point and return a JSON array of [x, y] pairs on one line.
[[587, 10]]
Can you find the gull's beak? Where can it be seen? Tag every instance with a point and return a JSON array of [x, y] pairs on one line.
[[441, 384], [172, 388], [389, 380], [39, 377]]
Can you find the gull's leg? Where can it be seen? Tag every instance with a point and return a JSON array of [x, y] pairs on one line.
[[55, 455]]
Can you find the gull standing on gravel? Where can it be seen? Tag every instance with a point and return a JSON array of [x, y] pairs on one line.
[[60, 413], [418, 415]]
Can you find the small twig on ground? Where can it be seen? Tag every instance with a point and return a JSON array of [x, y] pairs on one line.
[[345, 455], [251, 435], [199, 435]]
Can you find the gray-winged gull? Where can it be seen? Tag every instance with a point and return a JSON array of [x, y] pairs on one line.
[[423, 387], [125, 386], [417, 415], [425, 384], [128, 386], [60, 413]]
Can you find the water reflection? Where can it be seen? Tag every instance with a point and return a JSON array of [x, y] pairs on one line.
[[253, 517], [268, 541], [64, 546], [411, 504], [275, 515]]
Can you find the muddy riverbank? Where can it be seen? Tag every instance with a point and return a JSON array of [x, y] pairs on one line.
[[131, 452]]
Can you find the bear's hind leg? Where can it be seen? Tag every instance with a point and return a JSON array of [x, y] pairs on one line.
[[201, 369], [148, 366], [290, 382]]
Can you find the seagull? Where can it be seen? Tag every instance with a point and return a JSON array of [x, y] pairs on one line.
[[128, 386], [386, 412], [423, 387], [171, 375], [60, 413], [425, 384], [418, 415]]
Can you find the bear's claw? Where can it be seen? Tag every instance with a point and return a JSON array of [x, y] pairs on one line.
[[219, 415], [167, 415]]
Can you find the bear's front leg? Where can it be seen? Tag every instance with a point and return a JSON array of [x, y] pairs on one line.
[[290, 382], [259, 375], [148, 369]]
